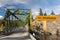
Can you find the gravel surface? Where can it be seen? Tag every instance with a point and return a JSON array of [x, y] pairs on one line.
[[19, 35]]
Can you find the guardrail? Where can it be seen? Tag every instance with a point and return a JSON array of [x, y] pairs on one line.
[[32, 38]]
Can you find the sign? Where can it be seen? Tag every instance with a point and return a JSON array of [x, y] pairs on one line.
[[18, 12], [38, 18], [44, 19]]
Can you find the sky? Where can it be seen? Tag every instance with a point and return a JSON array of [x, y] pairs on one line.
[[46, 5]]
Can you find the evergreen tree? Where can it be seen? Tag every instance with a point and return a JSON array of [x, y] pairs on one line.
[[52, 13], [41, 13], [45, 14]]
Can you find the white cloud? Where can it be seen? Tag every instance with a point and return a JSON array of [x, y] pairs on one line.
[[21, 1], [1, 17], [56, 9], [4, 2], [11, 7], [35, 12], [1, 5]]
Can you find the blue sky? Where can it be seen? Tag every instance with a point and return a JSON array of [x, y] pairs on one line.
[[46, 5]]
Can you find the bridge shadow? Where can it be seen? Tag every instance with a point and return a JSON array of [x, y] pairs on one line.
[[17, 38]]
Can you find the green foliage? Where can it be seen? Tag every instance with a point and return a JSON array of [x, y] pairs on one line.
[[45, 14], [41, 13], [52, 13], [23, 19], [0, 22]]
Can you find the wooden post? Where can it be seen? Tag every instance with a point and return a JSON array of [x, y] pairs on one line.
[[44, 28], [45, 19]]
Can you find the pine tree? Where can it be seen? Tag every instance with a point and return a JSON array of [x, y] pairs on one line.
[[41, 13], [52, 13], [45, 14]]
